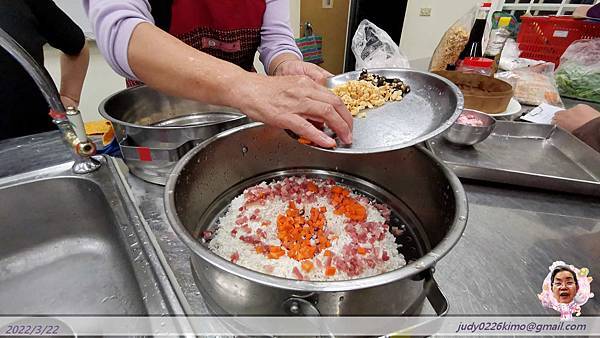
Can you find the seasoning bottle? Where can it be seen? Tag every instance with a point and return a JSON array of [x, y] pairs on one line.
[[473, 47], [498, 38]]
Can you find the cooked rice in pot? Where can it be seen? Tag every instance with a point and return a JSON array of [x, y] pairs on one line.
[[306, 229]]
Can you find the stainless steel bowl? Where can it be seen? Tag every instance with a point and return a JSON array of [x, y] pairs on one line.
[[422, 192], [155, 130], [429, 109], [468, 135]]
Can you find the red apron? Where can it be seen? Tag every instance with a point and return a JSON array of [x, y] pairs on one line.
[[226, 29]]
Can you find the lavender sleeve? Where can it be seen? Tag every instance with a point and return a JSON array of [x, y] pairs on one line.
[[276, 34], [113, 22]]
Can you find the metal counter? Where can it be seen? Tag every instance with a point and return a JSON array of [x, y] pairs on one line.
[[498, 266], [512, 236]]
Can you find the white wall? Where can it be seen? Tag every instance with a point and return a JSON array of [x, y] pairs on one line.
[[421, 34]]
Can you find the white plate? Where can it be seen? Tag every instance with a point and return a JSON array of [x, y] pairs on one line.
[[512, 112]]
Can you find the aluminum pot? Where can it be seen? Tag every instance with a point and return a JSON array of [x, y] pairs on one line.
[[155, 130], [424, 194]]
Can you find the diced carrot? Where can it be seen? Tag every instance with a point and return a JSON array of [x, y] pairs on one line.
[[361, 250], [327, 253], [312, 187], [307, 266], [330, 271], [303, 140]]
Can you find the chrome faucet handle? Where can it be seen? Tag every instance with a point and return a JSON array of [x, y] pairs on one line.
[[68, 121], [80, 143]]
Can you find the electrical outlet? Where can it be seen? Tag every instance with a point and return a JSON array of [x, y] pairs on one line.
[[425, 11], [327, 3]]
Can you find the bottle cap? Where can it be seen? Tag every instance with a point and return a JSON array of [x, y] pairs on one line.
[[478, 62], [504, 21]]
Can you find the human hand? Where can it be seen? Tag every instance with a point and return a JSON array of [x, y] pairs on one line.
[[298, 67], [573, 118], [295, 103], [68, 102]]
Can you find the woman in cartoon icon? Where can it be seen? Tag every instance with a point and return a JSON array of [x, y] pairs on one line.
[[564, 284], [566, 289]]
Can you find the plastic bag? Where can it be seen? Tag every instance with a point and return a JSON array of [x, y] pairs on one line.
[[510, 59], [374, 48], [453, 42], [533, 85], [578, 75]]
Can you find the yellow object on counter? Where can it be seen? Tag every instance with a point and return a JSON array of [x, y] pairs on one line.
[[101, 127], [97, 127]]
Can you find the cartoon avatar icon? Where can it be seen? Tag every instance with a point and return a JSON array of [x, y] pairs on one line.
[[566, 289]]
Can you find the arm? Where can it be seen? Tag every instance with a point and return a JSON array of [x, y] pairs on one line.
[[283, 101], [62, 33], [178, 69], [278, 50], [73, 69], [583, 121]]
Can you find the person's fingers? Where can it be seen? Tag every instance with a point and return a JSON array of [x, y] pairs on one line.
[[328, 97], [316, 73], [306, 129], [325, 111], [307, 88]]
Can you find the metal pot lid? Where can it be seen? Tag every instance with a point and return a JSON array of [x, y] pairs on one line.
[[431, 107]]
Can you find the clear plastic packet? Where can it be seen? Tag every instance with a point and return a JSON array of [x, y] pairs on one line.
[[374, 48], [533, 85], [453, 42], [510, 59], [578, 75]]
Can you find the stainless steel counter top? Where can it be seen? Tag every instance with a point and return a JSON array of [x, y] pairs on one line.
[[512, 236], [498, 266]]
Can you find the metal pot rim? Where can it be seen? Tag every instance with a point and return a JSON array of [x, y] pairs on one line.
[[420, 265], [107, 116]]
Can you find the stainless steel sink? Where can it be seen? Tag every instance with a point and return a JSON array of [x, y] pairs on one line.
[[75, 244]]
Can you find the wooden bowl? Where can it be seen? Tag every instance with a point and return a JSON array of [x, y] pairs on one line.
[[481, 92]]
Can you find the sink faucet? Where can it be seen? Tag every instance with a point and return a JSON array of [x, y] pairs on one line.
[[69, 120]]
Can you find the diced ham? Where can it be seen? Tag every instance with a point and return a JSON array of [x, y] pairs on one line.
[[269, 268], [318, 263], [241, 220], [250, 239], [207, 235], [234, 232], [246, 228], [297, 273], [261, 233], [384, 256], [234, 257]]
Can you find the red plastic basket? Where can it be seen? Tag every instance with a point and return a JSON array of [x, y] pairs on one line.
[[547, 37]]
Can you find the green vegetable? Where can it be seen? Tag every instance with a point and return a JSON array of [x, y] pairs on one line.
[[579, 73]]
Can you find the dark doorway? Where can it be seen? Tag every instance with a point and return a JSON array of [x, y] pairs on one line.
[[386, 14]]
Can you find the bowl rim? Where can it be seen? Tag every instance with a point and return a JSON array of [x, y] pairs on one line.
[[399, 72], [102, 111], [424, 263]]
